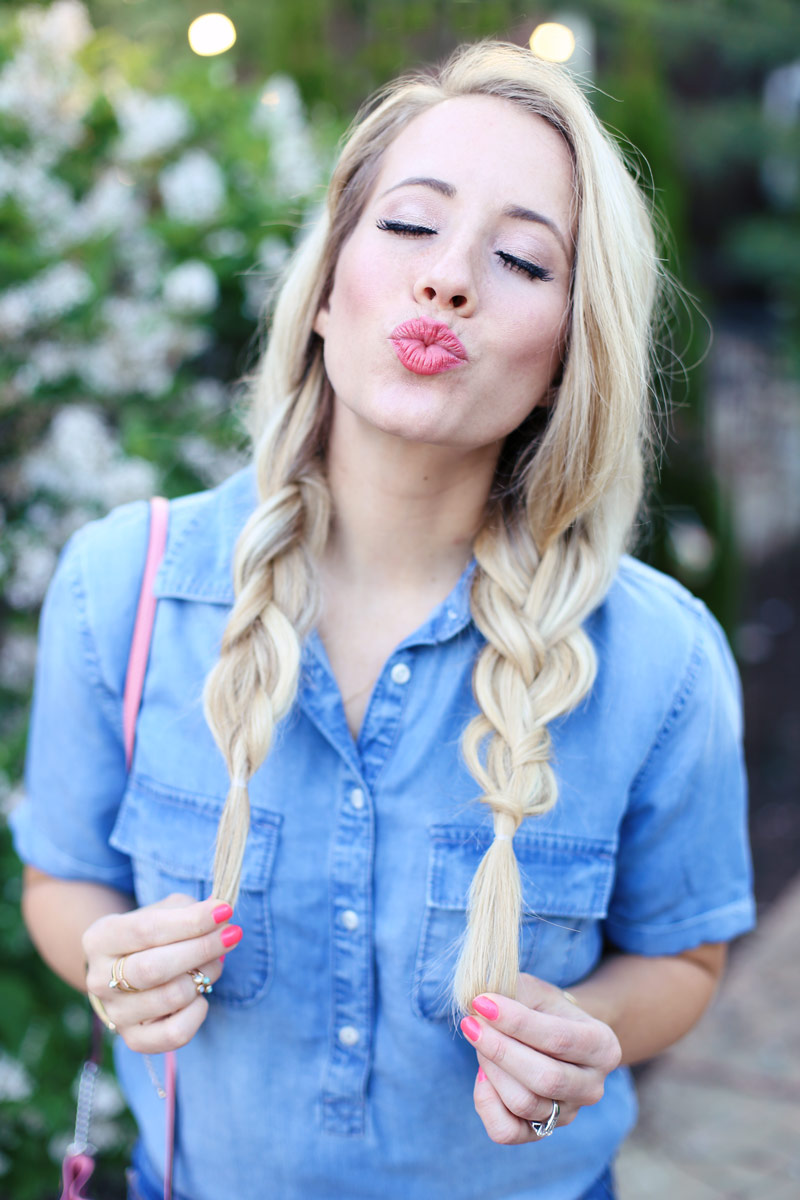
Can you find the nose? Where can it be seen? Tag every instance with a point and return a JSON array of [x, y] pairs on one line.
[[446, 283]]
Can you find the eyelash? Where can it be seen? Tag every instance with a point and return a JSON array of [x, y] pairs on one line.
[[532, 270]]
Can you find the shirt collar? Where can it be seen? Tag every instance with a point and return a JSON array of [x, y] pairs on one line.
[[203, 528], [197, 563]]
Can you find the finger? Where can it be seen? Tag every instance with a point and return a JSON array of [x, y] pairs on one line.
[[170, 1033], [155, 1003], [173, 919], [153, 967], [535, 1073], [502, 1125], [521, 1100], [570, 1035]]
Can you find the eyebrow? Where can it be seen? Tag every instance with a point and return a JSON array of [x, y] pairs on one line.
[[515, 211]]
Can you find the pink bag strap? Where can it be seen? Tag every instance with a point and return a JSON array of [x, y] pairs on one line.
[[143, 628], [78, 1163], [134, 685]]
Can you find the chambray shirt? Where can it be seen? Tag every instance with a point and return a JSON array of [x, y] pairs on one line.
[[328, 1066]]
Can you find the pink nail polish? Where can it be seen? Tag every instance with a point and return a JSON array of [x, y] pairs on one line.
[[230, 936], [486, 1007], [481, 1074], [223, 912], [222, 958], [471, 1029]]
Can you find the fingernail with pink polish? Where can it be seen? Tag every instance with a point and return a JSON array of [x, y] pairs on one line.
[[222, 958], [223, 912], [230, 936], [486, 1007], [481, 1074], [471, 1029]]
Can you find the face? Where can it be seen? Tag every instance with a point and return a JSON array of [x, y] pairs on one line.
[[446, 317]]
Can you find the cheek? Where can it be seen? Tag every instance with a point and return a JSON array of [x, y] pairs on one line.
[[361, 280]]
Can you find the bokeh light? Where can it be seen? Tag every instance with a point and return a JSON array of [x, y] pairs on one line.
[[213, 33], [553, 41]]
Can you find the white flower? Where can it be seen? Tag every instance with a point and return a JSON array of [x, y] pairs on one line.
[[41, 85], [47, 202], [191, 287], [62, 28], [34, 565], [141, 254], [208, 461], [17, 661], [222, 243], [80, 461], [193, 188], [132, 479], [112, 204], [48, 362], [149, 125], [141, 349], [15, 1082], [207, 396], [47, 296], [279, 114]]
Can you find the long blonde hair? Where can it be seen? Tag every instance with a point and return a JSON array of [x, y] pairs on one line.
[[564, 503]]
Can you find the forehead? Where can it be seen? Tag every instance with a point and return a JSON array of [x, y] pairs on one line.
[[515, 155]]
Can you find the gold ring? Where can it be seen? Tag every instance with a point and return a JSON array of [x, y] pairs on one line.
[[202, 984], [118, 979]]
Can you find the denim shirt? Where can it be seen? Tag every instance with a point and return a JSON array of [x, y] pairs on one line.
[[328, 1065]]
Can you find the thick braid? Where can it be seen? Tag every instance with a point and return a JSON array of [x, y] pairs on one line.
[[253, 684], [537, 665]]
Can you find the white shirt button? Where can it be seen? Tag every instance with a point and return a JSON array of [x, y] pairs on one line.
[[349, 1035], [349, 919], [400, 673], [357, 798]]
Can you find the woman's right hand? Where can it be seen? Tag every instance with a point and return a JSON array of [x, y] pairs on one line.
[[160, 944]]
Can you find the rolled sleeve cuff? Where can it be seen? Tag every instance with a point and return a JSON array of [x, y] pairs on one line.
[[35, 849], [718, 925]]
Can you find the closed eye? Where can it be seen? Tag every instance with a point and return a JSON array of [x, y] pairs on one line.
[[404, 229], [532, 270]]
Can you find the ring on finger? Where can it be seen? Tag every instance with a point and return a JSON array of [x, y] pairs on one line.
[[543, 1129], [118, 980], [202, 984]]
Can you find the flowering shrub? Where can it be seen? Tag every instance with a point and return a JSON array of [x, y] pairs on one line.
[[141, 229]]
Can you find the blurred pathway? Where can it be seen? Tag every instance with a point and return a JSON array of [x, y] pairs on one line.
[[720, 1113]]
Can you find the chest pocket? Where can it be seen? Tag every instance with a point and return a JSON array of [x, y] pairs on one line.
[[566, 884], [169, 836]]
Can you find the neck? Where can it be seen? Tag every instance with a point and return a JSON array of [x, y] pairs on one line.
[[405, 513]]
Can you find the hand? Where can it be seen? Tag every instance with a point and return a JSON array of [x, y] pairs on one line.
[[537, 1049], [160, 943]]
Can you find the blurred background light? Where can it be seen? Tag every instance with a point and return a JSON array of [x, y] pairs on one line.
[[553, 41], [213, 33]]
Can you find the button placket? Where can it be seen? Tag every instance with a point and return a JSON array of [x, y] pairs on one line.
[[350, 1047]]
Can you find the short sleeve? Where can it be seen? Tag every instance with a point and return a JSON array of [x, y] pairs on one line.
[[75, 772], [684, 875]]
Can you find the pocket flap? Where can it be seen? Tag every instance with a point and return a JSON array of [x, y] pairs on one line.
[[176, 831], [561, 876]]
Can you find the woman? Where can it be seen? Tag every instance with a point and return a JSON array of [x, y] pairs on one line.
[[450, 431]]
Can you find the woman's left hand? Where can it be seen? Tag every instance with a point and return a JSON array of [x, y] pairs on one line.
[[536, 1049]]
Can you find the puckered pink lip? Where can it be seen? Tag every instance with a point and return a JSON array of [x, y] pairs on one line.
[[427, 347]]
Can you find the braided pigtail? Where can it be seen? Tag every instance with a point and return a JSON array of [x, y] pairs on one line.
[[537, 665], [254, 682]]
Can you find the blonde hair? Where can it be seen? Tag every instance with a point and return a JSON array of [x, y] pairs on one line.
[[563, 506]]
